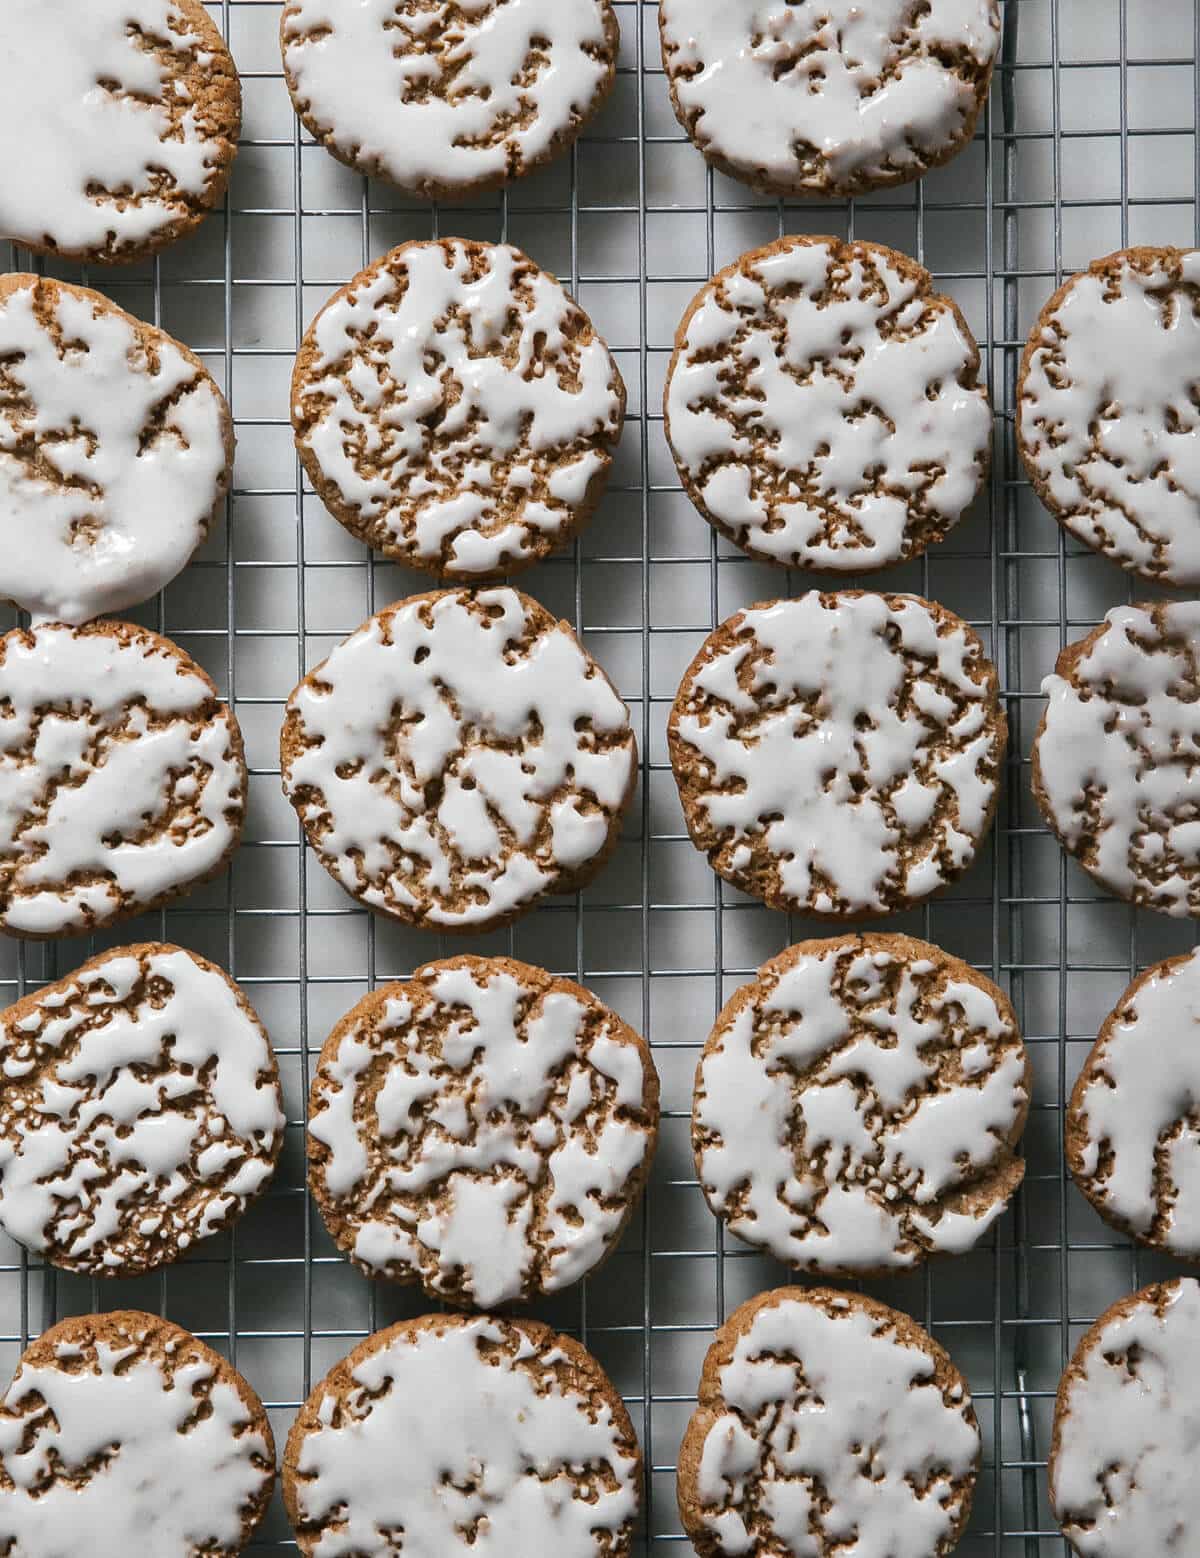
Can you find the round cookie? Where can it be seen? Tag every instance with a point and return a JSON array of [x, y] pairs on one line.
[[122, 1433], [115, 452], [141, 1111], [1114, 769], [457, 758], [122, 780], [857, 1106], [455, 409], [827, 1422], [474, 1435], [484, 1129], [1107, 418], [1122, 1461], [824, 408], [828, 97], [839, 755], [446, 98], [127, 114], [1132, 1129]]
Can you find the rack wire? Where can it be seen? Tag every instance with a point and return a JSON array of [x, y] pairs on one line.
[[1089, 143]]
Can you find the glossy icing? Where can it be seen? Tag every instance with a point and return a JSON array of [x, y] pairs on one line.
[[830, 1432], [823, 96], [487, 696], [441, 95], [518, 1458], [459, 404], [121, 778], [847, 743], [849, 1097], [823, 406], [1115, 756], [112, 455], [485, 1130], [120, 1447], [140, 1111], [1108, 417], [1122, 1470], [98, 118]]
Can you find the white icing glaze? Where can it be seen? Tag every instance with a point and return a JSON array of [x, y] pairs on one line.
[[460, 404], [810, 761], [150, 1473], [485, 695], [513, 1460], [119, 781], [841, 1401], [827, 95], [841, 1108], [140, 1112], [445, 96], [495, 1157], [1137, 1108], [1116, 756], [96, 116], [823, 409], [1108, 417], [101, 503], [1122, 1476]]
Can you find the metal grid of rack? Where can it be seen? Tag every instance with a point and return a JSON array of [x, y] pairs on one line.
[[1089, 143]]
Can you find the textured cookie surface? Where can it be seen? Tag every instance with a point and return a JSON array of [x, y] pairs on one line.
[[447, 96], [454, 408], [115, 448], [484, 1129], [1107, 413], [1132, 1133], [457, 758], [857, 1104], [127, 113], [140, 1111], [1127, 1429], [1114, 766], [828, 97], [121, 776], [823, 406], [827, 1423], [839, 754], [121, 1433], [513, 1441]]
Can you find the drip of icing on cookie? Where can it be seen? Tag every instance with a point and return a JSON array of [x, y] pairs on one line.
[[429, 97], [848, 423], [101, 503], [148, 1123], [85, 102], [439, 394], [512, 1460], [836, 1400], [820, 93], [507, 1148], [1118, 755], [848, 1100], [150, 1472], [118, 781], [1122, 1478], [1108, 417], [531, 746], [1139, 1110], [814, 763]]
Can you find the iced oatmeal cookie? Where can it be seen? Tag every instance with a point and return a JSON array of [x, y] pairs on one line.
[[455, 409], [839, 755], [857, 1106]]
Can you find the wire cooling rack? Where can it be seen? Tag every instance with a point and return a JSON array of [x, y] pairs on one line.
[[1089, 143]]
